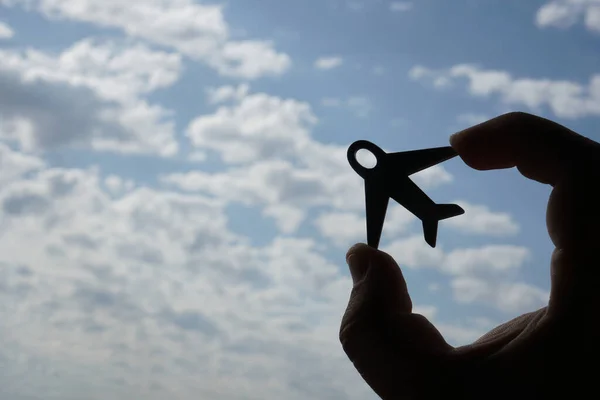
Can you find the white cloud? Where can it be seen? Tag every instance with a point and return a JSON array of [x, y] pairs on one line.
[[197, 156], [116, 71], [96, 287], [566, 99], [360, 106], [432, 176], [401, 6], [197, 30], [285, 191], [226, 93], [483, 274], [258, 126], [341, 228], [433, 287], [327, 63], [481, 220], [427, 311], [285, 169], [510, 297], [566, 13], [471, 119], [414, 252], [276, 185], [421, 73], [6, 32], [347, 228], [487, 260], [344, 228], [15, 165], [117, 185], [379, 70], [490, 259], [457, 334], [100, 276], [89, 94]]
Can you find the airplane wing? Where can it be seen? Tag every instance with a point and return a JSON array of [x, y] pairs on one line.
[[414, 161], [410, 196]]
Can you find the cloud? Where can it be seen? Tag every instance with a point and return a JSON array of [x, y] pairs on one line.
[[226, 93], [379, 70], [275, 162], [288, 192], [360, 106], [428, 312], [276, 185], [14, 164], [197, 30], [347, 228], [116, 282], [6, 32], [490, 259], [509, 297], [113, 289], [401, 6], [88, 95], [566, 13], [433, 176], [483, 274], [327, 63], [414, 252], [197, 156], [566, 99], [117, 185], [457, 333], [471, 119], [481, 220], [149, 274], [256, 127], [344, 228], [424, 74]]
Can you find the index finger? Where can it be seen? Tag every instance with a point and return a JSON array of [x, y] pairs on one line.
[[541, 149]]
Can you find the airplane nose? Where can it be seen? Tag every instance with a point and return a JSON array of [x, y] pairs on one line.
[[369, 146]]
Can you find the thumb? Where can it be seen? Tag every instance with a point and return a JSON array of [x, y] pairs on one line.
[[377, 279], [395, 351]]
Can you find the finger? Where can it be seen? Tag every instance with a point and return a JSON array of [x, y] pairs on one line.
[[549, 153], [541, 149], [395, 351], [573, 221]]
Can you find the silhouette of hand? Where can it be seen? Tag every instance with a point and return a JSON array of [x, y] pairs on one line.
[[549, 353]]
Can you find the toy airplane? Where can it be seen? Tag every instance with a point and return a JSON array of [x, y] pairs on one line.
[[390, 178]]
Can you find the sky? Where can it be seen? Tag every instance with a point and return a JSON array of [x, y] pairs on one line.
[[176, 203]]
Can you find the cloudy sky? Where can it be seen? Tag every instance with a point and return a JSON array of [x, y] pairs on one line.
[[175, 202]]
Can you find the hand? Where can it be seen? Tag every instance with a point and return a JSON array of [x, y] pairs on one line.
[[549, 353]]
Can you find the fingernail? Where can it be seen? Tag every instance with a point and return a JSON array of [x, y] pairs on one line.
[[453, 138], [358, 266]]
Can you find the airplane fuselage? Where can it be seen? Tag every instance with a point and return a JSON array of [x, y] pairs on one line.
[[411, 197]]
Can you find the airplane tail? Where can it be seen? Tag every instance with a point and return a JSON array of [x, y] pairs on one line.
[[440, 212]]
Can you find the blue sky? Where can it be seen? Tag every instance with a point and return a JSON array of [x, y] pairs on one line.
[[176, 202]]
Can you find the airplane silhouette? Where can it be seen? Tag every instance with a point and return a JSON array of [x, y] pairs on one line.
[[390, 178]]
